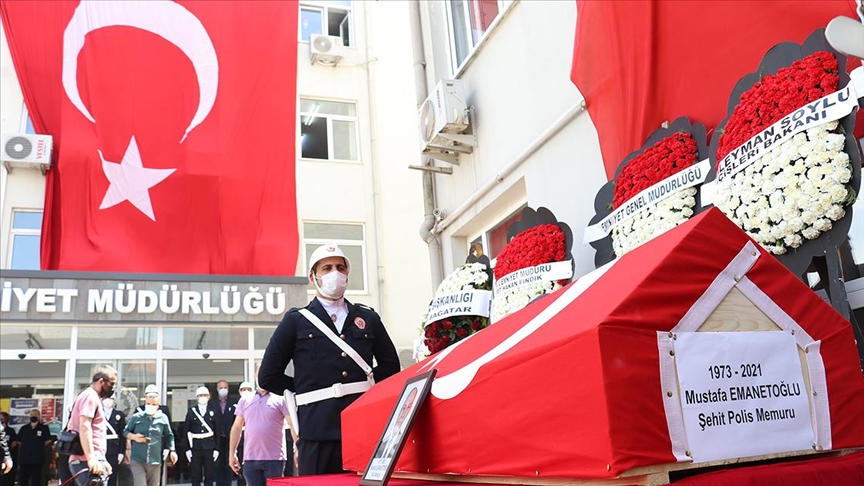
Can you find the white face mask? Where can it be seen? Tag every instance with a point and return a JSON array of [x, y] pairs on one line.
[[108, 404], [203, 401], [223, 392], [150, 409], [333, 284], [246, 393]]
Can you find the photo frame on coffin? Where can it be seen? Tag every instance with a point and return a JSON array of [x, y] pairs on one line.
[[798, 260], [603, 200], [396, 431]]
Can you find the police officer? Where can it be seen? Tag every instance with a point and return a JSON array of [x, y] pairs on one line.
[[202, 439], [332, 343], [116, 450], [224, 408]]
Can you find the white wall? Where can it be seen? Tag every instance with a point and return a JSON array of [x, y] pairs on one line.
[[519, 85], [20, 189]]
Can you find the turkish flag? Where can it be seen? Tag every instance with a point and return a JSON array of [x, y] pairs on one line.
[[639, 63], [174, 130]]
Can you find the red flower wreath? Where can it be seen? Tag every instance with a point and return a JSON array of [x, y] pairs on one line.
[[535, 246], [775, 96], [659, 161]]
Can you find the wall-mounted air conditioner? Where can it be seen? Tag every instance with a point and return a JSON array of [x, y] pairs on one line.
[[26, 151], [443, 118], [326, 49]]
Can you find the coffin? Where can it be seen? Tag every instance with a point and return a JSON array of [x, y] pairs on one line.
[[577, 384]]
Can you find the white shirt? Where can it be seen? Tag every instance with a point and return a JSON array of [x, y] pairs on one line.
[[337, 308]]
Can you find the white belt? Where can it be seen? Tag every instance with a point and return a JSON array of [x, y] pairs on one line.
[[336, 391]]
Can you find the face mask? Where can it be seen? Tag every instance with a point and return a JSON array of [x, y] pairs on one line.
[[246, 393], [333, 284], [33, 420], [108, 404], [150, 409], [203, 401], [223, 392]]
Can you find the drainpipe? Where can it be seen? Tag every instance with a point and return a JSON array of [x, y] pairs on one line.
[[436, 264]]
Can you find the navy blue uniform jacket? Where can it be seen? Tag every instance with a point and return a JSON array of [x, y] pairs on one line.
[[319, 363]]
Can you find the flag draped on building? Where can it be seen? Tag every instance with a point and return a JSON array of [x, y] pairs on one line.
[[174, 132], [639, 63]]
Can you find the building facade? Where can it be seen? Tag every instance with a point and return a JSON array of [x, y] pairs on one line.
[[356, 134]]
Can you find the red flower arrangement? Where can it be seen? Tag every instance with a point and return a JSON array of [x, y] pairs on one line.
[[666, 157], [541, 244], [775, 96], [445, 332]]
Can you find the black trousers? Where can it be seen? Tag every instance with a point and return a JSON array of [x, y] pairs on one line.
[[30, 475], [320, 457], [223, 472], [112, 459], [202, 460]]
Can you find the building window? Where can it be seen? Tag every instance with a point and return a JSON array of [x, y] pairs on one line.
[[469, 20], [328, 130], [491, 242], [326, 17], [350, 238], [26, 233]]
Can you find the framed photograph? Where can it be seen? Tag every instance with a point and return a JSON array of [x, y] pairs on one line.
[[396, 432]]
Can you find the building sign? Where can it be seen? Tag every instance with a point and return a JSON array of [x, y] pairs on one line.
[[742, 394], [147, 300]]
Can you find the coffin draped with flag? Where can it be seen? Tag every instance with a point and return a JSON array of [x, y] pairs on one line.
[[174, 129], [581, 395]]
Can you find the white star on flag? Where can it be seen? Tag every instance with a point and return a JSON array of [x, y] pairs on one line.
[[131, 181]]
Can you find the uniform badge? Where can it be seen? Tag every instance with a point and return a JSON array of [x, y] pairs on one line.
[[360, 323], [211, 413], [116, 417]]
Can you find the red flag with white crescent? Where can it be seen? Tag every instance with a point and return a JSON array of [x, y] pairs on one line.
[[174, 129]]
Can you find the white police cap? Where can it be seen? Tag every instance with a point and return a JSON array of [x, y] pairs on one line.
[[246, 384], [327, 251], [151, 390], [202, 390]]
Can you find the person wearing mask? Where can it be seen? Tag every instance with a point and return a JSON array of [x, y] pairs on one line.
[[151, 441], [332, 342], [246, 390], [116, 447], [225, 417], [202, 439], [261, 415], [8, 476], [5, 456], [31, 456], [162, 408], [89, 420]]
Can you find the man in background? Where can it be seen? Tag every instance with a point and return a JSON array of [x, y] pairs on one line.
[[202, 439], [8, 476], [225, 416], [260, 417], [115, 442], [31, 455], [149, 434], [88, 419]]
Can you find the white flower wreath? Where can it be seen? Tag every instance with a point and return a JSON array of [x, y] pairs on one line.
[[794, 192], [653, 221], [511, 300]]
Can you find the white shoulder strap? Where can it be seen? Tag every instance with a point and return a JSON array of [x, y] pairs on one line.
[[339, 342]]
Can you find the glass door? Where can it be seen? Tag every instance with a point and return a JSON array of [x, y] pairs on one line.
[[182, 378]]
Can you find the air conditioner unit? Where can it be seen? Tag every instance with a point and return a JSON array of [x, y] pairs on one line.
[[442, 117], [326, 49], [26, 151]]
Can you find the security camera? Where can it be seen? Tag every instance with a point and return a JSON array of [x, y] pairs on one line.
[[22, 356], [205, 355], [439, 214]]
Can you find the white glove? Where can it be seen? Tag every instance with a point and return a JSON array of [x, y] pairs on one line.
[[215, 455], [165, 454], [189, 456], [119, 458]]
